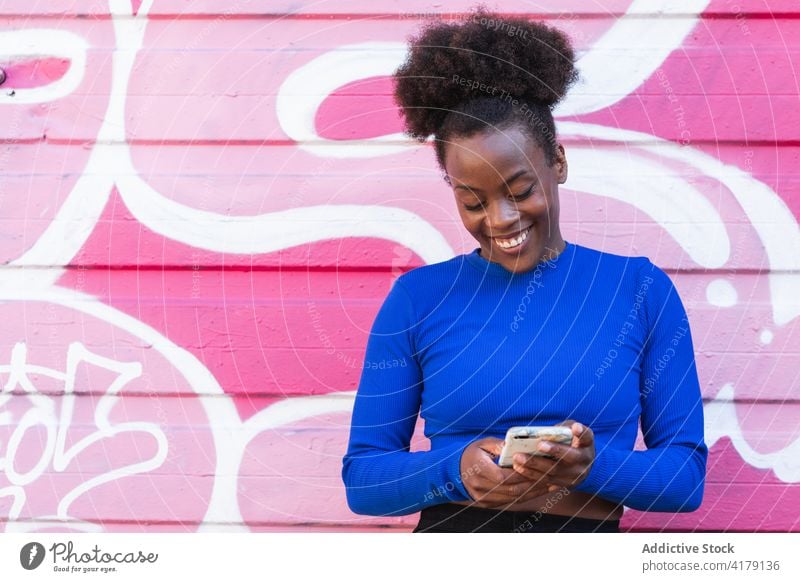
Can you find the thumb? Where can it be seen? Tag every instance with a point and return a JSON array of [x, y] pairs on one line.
[[492, 445], [582, 436]]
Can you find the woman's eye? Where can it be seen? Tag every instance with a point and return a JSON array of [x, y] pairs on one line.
[[525, 194], [517, 197]]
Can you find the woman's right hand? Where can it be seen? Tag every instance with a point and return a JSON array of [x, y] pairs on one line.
[[490, 485]]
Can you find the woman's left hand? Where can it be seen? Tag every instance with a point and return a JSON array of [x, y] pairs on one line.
[[567, 466]]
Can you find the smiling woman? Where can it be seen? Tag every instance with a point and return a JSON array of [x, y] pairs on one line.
[[528, 329], [507, 195]]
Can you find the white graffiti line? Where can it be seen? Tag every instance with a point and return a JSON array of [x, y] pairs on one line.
[[296, 111], [224, 420], [295, 409], [44, 414], [303, 91], [619, 62], [126, 371], [721, 421], [768, 214], [629, 52], [671, 201], [239, 435], [125, 8], [79, 213], [41, 414], [42, 43], [111, 159], [231, 436], [279, 230], [76, 218], [18, 371]]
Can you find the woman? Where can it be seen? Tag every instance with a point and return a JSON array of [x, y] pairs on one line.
[[527, 329]]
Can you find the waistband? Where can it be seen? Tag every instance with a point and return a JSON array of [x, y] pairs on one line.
[[454, 518]]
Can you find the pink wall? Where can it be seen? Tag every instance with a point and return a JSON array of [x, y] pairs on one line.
[[202, 206]]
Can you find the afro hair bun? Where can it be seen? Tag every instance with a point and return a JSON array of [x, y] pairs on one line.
[[486, 55]]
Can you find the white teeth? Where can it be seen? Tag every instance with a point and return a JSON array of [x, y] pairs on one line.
[[511, 243]]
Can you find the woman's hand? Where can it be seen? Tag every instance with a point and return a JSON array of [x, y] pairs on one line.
[[490, 485], [568, 465]]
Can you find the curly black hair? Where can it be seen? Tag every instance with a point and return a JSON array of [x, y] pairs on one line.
[[488, 71]]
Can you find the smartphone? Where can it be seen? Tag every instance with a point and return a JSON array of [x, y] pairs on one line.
[[525, 439]]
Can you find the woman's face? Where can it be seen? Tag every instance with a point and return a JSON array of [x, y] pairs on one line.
[[507, 195]]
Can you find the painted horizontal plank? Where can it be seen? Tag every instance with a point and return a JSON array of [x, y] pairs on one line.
[[309, 333], [250, 180], [136, 526], [224, 119], [313, 447], [214, 162], [276, 372], [372, 254], [183, 425], [109, 242], [712, 73], [270, 502], [729, 508], [279, 46], [692, 70], [272, 300], [253, 196], [595, 221], [265, 34], [297, 295], [396, 8], [270, 371], [255, 56], [256, 194], [179, 412], [654, 226], [290, 474]]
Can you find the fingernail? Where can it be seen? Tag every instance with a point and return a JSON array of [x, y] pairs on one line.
[[544, 447], [519, 458]]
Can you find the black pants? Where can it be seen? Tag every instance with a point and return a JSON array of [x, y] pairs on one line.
[[454, 518]]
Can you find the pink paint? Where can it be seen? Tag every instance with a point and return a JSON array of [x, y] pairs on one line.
[[38, 174], [147, 452], [342, 115], [34, 72]]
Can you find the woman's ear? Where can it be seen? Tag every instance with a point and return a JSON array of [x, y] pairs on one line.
[[562, 168]]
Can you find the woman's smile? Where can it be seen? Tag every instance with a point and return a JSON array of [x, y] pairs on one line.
[[513, 244]]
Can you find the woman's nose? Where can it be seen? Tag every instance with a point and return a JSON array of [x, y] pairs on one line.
[[503, 215]]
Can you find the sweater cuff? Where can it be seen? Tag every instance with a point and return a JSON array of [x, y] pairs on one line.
[[600, 473], [455, 491]]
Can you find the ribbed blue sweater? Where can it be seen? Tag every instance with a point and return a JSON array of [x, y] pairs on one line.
[[475, 349]]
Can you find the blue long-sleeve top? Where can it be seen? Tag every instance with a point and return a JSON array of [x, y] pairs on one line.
[[475, 349]]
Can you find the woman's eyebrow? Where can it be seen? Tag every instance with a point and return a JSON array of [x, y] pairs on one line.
[[515, 176], [507, 181]]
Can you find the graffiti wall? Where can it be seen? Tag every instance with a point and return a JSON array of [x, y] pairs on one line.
[[203, 204]]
